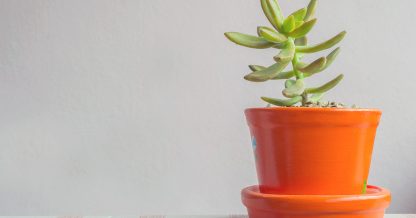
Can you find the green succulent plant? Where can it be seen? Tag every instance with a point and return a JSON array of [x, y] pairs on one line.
[[290, 36]]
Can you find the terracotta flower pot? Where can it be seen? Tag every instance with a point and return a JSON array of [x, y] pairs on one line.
[[312, 151], [370, 205]]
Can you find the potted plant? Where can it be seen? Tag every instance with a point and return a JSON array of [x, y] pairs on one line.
[[303, 145], [312, 157]]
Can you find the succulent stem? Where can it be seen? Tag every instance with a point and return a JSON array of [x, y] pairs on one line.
[[295, 62], [305, 99], [299, 76]]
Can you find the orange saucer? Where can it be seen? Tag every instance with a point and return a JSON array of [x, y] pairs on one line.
[[370, 205]]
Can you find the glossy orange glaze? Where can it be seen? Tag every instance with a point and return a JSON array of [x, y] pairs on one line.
[[312, 150], [370, 205]]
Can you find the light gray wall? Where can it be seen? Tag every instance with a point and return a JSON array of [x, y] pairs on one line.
[[136, 107]]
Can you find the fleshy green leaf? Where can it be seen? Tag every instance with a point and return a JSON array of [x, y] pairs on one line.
[[284, 75], [326, 87], [301, 64], [263, 27], [295, 90], [248, 40], [255, 68], [311, 10], [283, 103], [268, 14], [331, 57], [314, 67], [303, 30], [289, 24], [268, 73], [301, 41], [260, 76], [273, 13], [280, 45], [329, 60], [287, 54], [289, 83], [271, 35], [299, 23], [300, 14], [323, 46]]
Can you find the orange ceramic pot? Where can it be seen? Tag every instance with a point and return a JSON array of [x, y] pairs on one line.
[[312, 151], [370, 205]]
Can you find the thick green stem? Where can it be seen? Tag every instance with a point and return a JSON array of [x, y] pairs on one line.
[[299, 75], [305, 99], [295, 61]]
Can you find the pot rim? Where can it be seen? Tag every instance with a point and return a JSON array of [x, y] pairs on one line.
[[325, 117], [314, 109], [376, 199]]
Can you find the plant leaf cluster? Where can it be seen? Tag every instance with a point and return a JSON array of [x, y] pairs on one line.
[[289, 35]]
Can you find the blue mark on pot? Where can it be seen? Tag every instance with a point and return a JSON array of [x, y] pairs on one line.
[[254, 145], [253, 142]]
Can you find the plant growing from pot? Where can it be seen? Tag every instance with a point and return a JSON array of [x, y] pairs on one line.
[[314, 148], [290, 36]]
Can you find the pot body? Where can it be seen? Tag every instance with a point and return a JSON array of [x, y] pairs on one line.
[[369, 205], [312, 151]]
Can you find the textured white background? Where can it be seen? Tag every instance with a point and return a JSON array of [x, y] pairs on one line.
[[136, 107]]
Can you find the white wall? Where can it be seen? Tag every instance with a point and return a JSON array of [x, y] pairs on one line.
[[136, 107]]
